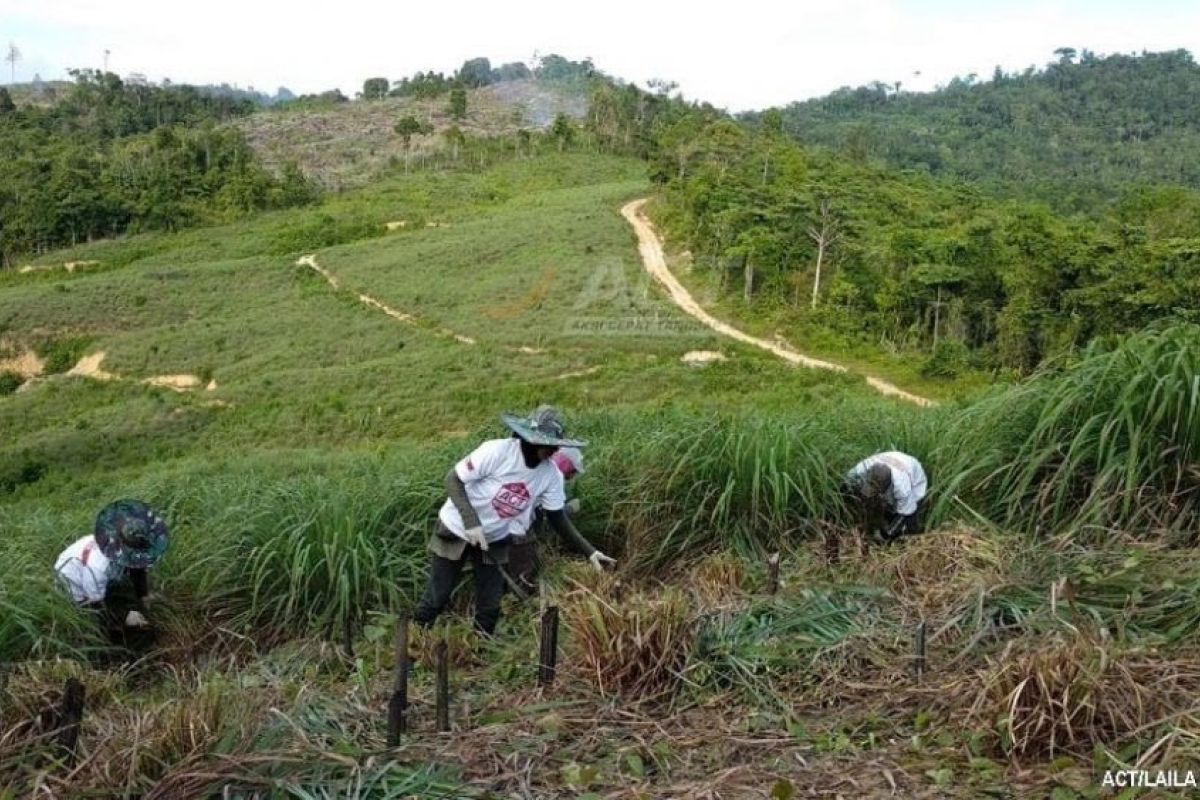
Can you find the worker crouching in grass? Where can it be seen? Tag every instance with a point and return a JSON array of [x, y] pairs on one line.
[[888, 492], [107, 571], [492, 496]]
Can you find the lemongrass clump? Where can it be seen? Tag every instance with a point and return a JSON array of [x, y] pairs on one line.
[[1110, 440], [636, 647], [1073, 692]]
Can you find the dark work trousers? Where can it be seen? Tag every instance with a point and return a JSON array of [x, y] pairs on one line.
[[443, 577], [122, 597], [904, 524]]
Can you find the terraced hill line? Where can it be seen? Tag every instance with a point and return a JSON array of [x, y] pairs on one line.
[[310, 261], [650, 247]]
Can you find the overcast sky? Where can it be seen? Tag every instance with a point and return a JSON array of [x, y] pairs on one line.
[[739, 55]]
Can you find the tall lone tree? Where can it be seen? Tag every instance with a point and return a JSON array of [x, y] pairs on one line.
[[476, 72], [458, 103], [406, 128], [562, 130], [455, 138], [13, 56], [825, 235], [375, 88]]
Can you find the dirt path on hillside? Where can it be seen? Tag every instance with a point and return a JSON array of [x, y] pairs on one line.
[[651, 250], [310, 261], [90, 366]]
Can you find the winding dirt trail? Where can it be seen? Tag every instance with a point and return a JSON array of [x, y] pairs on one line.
[[310, 261], [650, 247]]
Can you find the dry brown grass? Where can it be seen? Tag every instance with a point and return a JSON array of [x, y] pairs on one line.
[[717, 579], [934, 571], [635, 647], [350, 144], [463, 644], [1072, 692]]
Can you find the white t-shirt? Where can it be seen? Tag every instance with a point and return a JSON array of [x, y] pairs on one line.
[[85, 571], [503, 491], [908, 479]]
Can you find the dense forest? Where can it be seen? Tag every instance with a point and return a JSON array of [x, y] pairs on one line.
[[1073, 134], [934, 263], [110, 156]]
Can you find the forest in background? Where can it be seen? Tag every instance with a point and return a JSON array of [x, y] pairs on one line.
[[967, 270], [1073, 134], [109, 157]]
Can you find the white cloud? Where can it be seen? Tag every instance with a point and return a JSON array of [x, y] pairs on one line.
[[739, 55]]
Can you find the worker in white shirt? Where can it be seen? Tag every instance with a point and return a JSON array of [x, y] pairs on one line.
[[492, 496], [107, 569], [889, 489]]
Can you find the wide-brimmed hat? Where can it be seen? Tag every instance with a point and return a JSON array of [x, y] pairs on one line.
[[544, 427], [131, 534]]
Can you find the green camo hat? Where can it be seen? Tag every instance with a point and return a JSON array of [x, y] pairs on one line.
[[131, 534], [544, 427]]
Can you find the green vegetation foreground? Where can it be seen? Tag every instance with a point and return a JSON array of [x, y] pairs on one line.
[[302, 487]]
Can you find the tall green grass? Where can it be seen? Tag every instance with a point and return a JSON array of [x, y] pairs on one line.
[[681, 485], [1110, 440]]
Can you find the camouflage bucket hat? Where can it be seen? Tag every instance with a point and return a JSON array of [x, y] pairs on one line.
[[544, 427], [131, 534]]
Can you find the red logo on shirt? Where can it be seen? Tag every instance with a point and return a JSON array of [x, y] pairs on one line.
[[511, 500]]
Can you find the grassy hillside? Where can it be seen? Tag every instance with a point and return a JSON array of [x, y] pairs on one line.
[[301, 486]]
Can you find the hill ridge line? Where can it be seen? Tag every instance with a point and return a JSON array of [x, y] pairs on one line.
[[651, 250]]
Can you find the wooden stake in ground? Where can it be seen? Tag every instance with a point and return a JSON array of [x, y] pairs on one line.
[[443, 688], [832, 548], [4, 667], [919, 656], [548, 655], [398, 705], [773, 574], [348, 636], [70, 715]]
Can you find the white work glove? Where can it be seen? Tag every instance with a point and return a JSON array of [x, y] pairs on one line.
[[475, 536], [598, 560], [573, 506], [134, 619]]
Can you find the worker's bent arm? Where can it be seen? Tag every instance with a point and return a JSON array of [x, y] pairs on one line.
[[141, 583], [563, 526], [457, 491]]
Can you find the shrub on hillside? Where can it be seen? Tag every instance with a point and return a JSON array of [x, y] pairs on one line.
[[948, 360], [60, 355], [323, 230], [10, 382]]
